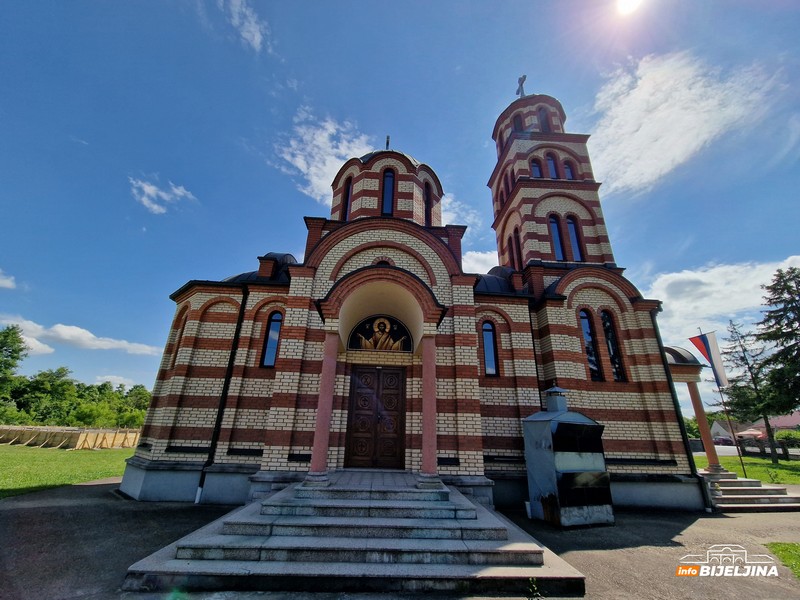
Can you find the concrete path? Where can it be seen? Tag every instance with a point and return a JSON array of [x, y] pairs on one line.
[[78, 542]]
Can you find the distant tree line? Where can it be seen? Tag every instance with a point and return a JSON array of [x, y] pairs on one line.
[[52, 397]]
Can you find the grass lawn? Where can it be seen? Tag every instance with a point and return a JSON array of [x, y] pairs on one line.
[[26, 469], [786, 471], [789, 555]]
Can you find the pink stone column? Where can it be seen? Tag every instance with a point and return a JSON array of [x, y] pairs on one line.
[[322, 427], [702, 425], [429, 466]]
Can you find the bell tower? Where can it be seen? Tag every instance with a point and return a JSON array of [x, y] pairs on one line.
[[544, 197]]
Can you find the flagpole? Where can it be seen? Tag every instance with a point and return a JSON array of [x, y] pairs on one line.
[[730, 424]]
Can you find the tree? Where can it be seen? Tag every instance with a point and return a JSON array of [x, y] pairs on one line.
[[781, 327], [751, 392], [12, 352]]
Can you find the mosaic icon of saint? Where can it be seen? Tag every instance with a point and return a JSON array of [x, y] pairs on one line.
[[381, 338]]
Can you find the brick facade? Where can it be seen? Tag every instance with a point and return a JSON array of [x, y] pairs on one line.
[[216, 405]]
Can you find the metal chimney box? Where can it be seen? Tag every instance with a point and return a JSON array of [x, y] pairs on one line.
[[568, 483]]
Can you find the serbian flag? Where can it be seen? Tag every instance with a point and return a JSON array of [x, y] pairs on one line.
[[706, 343]]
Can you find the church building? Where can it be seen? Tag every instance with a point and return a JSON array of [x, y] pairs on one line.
[[378, 351]]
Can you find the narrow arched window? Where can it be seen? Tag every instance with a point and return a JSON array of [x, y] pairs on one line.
[[555, 238], [518, 249], [348, 186], [544, 120], [536, 169], [569, 172], [502, 198], [590, 346], [574, 239], [551, 166], [388, 192], [177, 343], [506, 184], [614, 355], [512, 257], [518, 123], [428, 205], [273, 337], [489, 349]]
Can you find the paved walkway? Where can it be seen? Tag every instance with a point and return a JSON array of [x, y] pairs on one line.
[[78, 541]]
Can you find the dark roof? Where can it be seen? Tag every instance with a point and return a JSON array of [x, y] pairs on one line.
[[497, 281], [679, 356], [370, 155], [280, 276]]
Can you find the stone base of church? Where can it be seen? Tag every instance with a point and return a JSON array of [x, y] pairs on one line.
[[238, 484], [672, 492], [667, 492], [161, 481]]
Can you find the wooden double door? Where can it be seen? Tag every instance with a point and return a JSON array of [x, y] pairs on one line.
[[376, 420]]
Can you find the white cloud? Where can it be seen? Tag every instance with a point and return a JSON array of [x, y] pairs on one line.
[[711, 296], [253, 31], [156, 199], [479, 262], [35, 336], [456, 212], [655, 115], [316, 150], [115, 380], [7, 281]]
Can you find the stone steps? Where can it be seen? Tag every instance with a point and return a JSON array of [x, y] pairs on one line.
[[365, 551], [358, 535], [730, 493], [254, 523]]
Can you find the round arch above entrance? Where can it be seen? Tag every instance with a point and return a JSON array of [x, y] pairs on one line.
[[381, 290]]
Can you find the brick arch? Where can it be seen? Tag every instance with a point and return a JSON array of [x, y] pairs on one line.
[[330, 241], [432, 310], [609, 277], [385, 244]]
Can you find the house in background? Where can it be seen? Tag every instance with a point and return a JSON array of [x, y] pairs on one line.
[[377, 350]]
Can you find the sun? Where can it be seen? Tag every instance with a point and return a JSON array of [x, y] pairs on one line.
[[626, 7]]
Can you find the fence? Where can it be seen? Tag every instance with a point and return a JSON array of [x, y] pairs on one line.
[[73, 438]]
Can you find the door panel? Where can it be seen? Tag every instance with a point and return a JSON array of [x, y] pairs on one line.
[[376, 427]]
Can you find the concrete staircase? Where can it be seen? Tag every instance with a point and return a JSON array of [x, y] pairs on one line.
[[366, 532], [730, 493]]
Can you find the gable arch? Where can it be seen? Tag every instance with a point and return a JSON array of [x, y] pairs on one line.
[[368, 224], [621, 291], [400, 294]]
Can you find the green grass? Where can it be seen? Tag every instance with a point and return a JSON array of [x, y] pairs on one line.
[[24, 469], [786, 471], [789, 555]]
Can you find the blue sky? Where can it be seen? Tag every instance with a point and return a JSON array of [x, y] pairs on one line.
[[145, 144]]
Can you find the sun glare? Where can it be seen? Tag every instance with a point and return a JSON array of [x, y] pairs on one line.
[[626, 7]]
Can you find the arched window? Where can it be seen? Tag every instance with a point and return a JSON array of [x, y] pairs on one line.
[[555, 238], [551, 166], [348, 185], [273, 337], [518, 123], [489, 349], [512, 257], [518, 249], [610, 333], [502, 198], [428, 205], [177, 344], [536, 169], [590, 346], [544, 120], [506, 184], [388, 192], [569, 172], [574, 239]]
